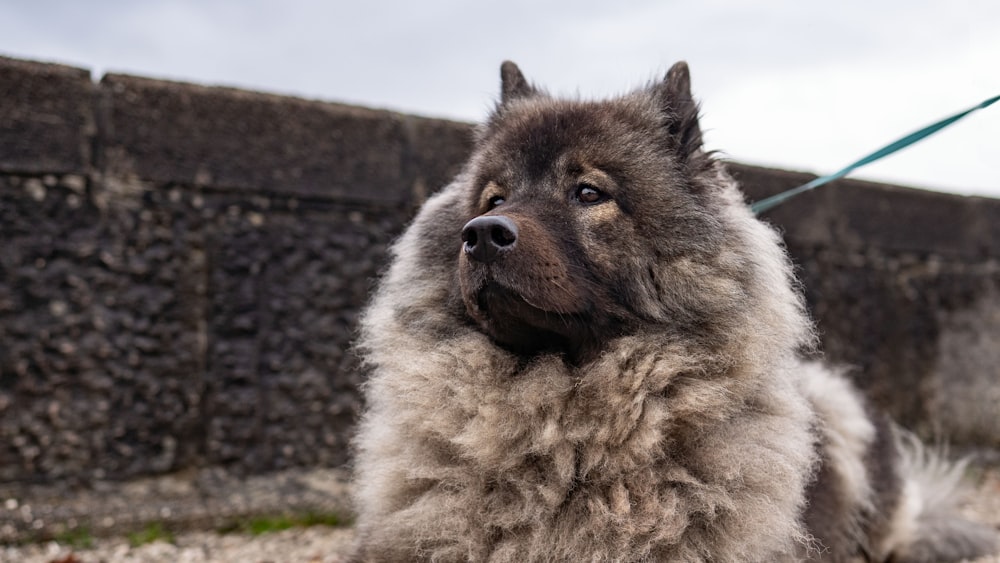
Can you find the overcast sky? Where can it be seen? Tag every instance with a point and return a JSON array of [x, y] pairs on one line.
[[790, 83]]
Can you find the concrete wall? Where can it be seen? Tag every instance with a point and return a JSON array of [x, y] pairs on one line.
[[181, 268]]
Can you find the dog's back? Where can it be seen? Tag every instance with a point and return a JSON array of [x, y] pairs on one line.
[[878, 494]]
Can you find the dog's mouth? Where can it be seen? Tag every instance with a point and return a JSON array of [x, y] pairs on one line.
[[497, 302], [515, 323]]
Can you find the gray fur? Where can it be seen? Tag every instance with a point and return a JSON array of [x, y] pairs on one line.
[[624, 384]]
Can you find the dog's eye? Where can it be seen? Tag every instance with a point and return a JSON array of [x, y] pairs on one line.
[[495, 201], [589, 195]]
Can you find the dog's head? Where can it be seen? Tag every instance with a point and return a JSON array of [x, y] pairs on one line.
[[577, 209]]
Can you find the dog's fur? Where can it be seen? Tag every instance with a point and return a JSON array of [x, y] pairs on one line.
[[617, 377]]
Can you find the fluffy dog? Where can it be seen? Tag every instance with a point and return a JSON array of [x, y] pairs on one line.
[[588, 349]]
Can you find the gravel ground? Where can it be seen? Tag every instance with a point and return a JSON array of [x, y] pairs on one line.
[[321, 544], [317, 544], [210, 499]]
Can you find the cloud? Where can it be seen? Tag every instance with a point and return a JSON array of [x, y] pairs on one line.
[[801, 85]]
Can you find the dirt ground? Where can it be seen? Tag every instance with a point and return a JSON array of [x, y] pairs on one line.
[[322, 544]]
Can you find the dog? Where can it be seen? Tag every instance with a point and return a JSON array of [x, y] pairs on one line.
[[587, 348]]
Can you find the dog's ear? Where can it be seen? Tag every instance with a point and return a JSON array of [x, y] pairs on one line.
[[674, 94], [513, 85]]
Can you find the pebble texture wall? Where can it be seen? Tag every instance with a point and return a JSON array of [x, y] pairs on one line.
[[181, 270]]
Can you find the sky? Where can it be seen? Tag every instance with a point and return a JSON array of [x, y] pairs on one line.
[[795, 84]]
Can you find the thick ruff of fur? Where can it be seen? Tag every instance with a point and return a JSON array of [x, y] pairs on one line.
[[658, 409]]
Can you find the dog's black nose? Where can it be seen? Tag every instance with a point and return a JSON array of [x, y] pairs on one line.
[[489, 236]]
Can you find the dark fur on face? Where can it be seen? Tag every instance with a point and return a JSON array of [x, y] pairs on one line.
[[587, 349], [577, 204]]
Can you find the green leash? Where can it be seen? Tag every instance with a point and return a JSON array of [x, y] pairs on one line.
[[777, 199]]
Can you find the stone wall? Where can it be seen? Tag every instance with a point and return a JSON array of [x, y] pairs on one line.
[[181, 269], [904, 285]]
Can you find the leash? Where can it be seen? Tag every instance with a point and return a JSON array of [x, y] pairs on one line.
[[777, 199]]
